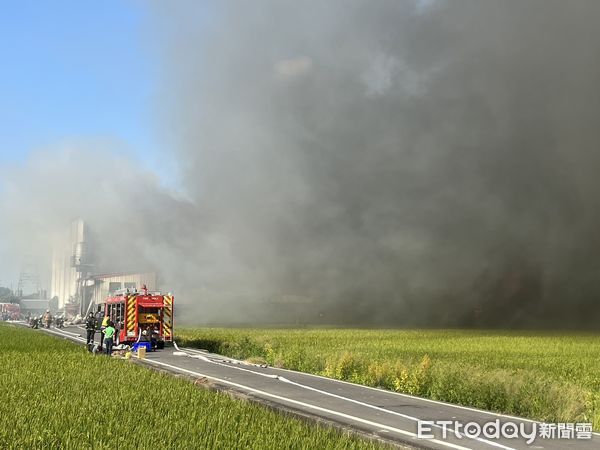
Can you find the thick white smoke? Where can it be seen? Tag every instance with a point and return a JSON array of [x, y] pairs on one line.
[[399, 161]]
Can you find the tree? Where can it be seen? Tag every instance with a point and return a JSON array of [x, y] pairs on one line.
[[7, 296]]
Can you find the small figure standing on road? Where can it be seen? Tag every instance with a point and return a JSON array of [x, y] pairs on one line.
[[90, 326], [102, 328], [153, 336], [109, 332], [48, 318]]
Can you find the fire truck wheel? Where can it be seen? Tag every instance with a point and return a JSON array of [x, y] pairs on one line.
[[160, 345]]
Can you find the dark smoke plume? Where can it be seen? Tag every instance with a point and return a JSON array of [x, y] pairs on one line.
[[403, 162]]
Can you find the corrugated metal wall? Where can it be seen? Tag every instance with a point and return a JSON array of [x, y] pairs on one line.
[[64, 277], [117, 281]]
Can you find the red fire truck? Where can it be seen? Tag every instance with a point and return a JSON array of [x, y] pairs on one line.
[[10, 311], [139, 315]]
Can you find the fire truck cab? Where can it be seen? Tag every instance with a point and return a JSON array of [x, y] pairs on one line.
[[141, 316]]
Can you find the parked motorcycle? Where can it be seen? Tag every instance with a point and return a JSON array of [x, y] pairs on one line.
[[59, 322]]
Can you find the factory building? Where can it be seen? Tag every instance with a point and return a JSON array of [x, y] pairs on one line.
[[34, 306], [105, 284], [69, 254], [75, 284]]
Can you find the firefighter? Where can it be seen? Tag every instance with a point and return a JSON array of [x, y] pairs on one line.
[[153, 336], [105, 323], [48, 318], [90, 326]]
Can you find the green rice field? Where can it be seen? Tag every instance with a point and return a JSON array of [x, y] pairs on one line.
[[552, 377], [54, 394]]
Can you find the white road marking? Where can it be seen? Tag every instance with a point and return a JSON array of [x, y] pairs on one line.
[[351, 400], [400, 394], [308, 405]]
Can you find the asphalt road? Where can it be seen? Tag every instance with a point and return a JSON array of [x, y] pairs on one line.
[[389, 416]]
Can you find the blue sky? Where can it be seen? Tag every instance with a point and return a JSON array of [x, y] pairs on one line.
[[74, 69]]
